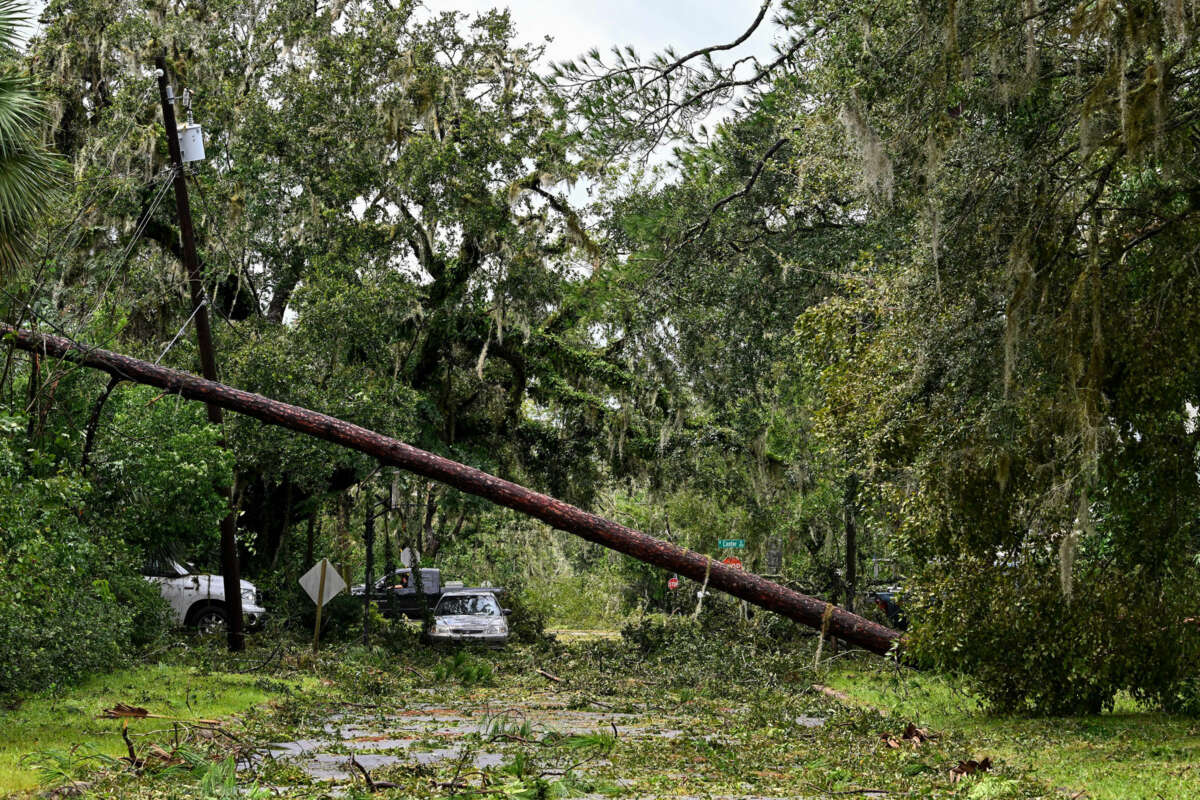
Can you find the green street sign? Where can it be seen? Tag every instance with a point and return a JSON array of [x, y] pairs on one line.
[[736, 544]]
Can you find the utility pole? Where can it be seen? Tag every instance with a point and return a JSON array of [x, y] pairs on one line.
[[230, 570], [369, 577], [850, 511]]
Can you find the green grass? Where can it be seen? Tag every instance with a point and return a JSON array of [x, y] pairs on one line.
[[1129, 754], [727, 714], [70, 719]]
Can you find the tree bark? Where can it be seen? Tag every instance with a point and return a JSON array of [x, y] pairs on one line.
[[34, 388], [369, 572], [342, 543], [309, 538], [89, 438], [426, 532], [278, 539], [389, 561], [752, 588]]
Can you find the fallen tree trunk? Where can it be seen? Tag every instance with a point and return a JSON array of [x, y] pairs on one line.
[[735, 581]]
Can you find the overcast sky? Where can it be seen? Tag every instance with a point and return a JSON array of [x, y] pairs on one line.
[[648, 25]]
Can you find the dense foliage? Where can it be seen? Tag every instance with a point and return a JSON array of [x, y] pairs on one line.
[[944, 274], [72, 603], [920, 308]]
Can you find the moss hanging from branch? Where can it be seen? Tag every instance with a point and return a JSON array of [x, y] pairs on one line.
[[878, 176]]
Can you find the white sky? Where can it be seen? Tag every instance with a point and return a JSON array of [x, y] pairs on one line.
[[648, 25]]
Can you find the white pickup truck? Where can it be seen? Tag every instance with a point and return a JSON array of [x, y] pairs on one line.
[[197, 600]]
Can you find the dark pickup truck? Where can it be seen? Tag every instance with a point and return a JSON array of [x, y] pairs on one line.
[[396, 594]]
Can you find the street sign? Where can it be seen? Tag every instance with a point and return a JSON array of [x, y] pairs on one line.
[[673, 583], [732, 561], [313, 580], [734, 544], [322, 583]]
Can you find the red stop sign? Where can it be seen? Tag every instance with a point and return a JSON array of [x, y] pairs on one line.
[[732, 561], [673, 583]]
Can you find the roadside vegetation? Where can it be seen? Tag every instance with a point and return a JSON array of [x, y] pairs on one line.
[[1129, 752], [909, 306], [51, 738], [672, 707]]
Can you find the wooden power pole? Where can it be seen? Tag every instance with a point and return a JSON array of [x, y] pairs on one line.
[[230, 569]]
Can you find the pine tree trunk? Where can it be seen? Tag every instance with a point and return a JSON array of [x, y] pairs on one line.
[[753, 588]]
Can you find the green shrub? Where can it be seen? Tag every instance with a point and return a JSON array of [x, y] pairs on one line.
[[653, 635], [1183, 696], [465, 668], [149, 614], [341, 619], [711, 651], [1025, 647], [71, 601], [70, 609], [527, 617]]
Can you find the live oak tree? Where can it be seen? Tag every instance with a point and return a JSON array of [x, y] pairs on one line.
[[383, 221], [1026, 352]]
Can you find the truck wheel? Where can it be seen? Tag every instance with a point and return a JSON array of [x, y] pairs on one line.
[[210, 619]]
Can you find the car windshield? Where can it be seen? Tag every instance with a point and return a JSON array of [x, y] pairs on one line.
[[484, 604]]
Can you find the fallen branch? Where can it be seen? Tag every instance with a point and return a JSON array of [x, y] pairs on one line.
[[548, 676], [971, 767], [372, 784], [592, 702], [133, 759], [262, 664], [126, 711]]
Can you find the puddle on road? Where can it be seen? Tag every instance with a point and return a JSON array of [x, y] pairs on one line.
[[308, 754], [337, 767], [425, 734]]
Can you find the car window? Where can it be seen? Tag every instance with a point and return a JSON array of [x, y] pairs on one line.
[[397, 580], [158, 567], [484, 604]]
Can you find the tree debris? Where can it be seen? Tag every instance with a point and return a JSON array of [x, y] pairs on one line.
[[971, 767]]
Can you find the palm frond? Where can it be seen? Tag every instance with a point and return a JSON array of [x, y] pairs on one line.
[[21, 112], [29, 172], [13, 16], [28, 178]]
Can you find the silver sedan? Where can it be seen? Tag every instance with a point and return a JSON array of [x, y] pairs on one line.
[[470, 615]]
